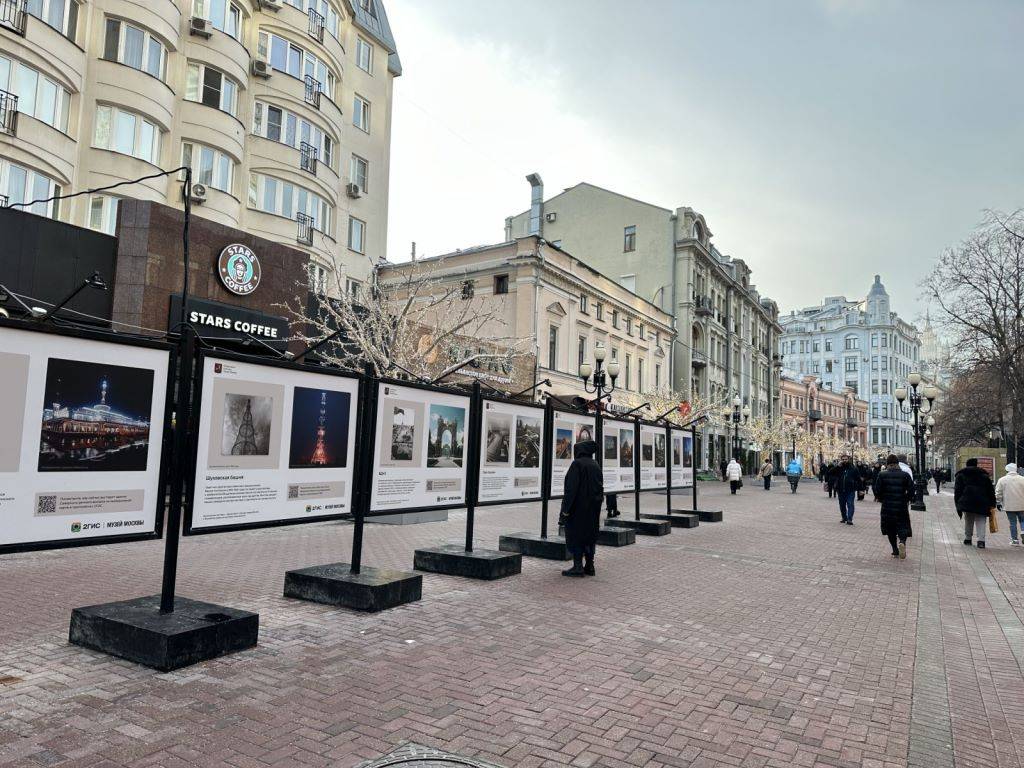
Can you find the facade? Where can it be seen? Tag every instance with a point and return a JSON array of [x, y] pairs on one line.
[[563, 308], [278, 106], [839, 414], [862, 346], [727, 333]]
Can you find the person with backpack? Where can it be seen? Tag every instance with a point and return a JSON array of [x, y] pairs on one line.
[[581, 508]]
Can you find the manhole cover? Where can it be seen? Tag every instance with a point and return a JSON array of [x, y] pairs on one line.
[[416, 756]]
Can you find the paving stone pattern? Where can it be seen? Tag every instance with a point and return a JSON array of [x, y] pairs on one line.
[[775, 638]]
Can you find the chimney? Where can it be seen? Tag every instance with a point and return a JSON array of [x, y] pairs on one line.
[[536, 205], [414, 250]]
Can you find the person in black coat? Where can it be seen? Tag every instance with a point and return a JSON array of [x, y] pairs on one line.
[[974, 496], [581, 508], [895, 490], [847, 484], [831, 473]]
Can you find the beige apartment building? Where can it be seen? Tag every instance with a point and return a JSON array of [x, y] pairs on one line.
[[561, 309], [727, 333], [281, 108], [837, 414]]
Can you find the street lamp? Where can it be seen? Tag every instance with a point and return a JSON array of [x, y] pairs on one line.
[[794, 431], [601, 375], [915, 399], [737, 412]]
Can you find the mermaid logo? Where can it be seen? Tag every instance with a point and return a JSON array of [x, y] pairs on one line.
[[239, 269]]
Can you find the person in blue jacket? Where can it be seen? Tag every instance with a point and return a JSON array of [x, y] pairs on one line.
[[794, 470]]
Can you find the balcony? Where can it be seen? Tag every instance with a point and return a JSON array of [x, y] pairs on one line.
[[699, 359], [305, 226], [702, 306], [8, 113], [313, 89], [4, 201], [851, 422], [814, 414], [12, 15], [316, 25], [307, 157]]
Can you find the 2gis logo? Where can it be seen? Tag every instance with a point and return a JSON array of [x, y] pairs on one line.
[[78, 527]]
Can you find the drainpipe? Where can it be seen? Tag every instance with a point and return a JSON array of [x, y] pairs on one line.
[[673, 309]]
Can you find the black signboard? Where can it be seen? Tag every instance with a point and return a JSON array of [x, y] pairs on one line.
[[216, 320]]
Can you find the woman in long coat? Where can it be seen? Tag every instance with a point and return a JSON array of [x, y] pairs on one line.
[[581, 508], [895, 490]]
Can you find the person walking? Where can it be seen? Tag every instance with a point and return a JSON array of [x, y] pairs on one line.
[[1010, 499], [831, 475], [724, 466], [895, 491], [937, 477], [847, 484], [793, 473], [766, 473], [611, 505], [974, 498], [734, 472], [876, 470], [581, 508]]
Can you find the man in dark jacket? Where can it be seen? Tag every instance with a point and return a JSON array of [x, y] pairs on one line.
[[974, 496], [895, 490], [581, 508], [847, 484], [831, 474]]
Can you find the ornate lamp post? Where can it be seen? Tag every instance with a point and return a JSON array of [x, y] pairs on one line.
[[793, 431], [737, 412], [917, 409], [601, 375]]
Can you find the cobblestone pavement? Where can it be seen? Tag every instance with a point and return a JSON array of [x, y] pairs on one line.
[[775, 638]]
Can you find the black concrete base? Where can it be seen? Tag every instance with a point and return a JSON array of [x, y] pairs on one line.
[[372, 589], [682, 520], [644, 527], [532, 545], [454, 560], [137, 631], [704, 515], [613, 536]]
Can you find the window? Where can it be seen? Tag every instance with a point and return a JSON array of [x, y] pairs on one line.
[[285, 56], [356, 234], [364, 55], [38, 96], [62, 15], [353, 287], [583, 303], [359, 173], [222, 15], [851, 342], [657, 376], [817, 346], [501, 284], [629, 239], [874, 340], [626, 371], [828, 345], [553, 348], [581, 351], [103, 213], [885, 340], [322, 7], [22, 185], [615, 353], [134, 47], [615, 318], [642, 332], [361, 113], [599, 311], [874, 386], [282, 198], [851, 365], [208, 86], [127, 133], [629, 326], [639, 374], [209, 166], [828, 366], [318, 278], [278, 124]]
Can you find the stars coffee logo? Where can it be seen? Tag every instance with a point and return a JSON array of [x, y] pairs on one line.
[[239, 269]]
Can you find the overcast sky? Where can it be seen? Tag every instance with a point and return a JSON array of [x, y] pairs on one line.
[[823, 140]]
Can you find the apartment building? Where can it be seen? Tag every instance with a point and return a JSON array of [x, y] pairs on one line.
[[862, 346], [727, 333], [837, 414], [561, 307], [281, 108]]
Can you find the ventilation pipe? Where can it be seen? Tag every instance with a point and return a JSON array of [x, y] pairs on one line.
[[536, 205]]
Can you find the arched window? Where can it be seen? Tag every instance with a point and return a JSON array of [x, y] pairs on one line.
[[698, 231]]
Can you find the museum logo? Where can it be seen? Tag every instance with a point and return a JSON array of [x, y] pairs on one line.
[[239, 269]]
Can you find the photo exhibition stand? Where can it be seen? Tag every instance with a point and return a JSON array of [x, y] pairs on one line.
[[165, 631], [456, 560]]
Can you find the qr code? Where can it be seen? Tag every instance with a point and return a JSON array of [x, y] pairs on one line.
[[293, 491], [47, 505]]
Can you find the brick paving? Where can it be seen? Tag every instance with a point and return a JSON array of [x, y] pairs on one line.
[[775, 638]]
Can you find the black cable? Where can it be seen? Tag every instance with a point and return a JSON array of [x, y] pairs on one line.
[[97, 189]]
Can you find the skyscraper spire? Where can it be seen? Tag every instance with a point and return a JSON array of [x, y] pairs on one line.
[[320, 452]]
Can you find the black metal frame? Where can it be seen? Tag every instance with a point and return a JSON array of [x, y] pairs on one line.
[[308, 157], [551, 451], [8, 113], [636, 455], [165, 436], [304, 223], [313, 90], [316, 25], [512, 401], [13, 15], [193, 437]]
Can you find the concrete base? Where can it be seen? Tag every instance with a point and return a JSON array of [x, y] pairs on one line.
[[682, 520], [532, 545], [372, 589], [613, 536], [137, 631], [704, 515], [454, 560], [411, 518], [644, 527]]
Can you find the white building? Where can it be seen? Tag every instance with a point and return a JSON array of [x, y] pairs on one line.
[[862, 345]]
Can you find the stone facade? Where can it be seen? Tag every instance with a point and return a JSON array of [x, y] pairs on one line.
[[839, 414]]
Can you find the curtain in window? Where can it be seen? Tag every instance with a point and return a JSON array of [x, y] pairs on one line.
[[133, 41]]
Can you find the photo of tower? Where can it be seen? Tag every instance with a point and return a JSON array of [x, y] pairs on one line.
[[447, 436], [659, 451], [626, 450], [245, 430], [95, 417], [320, 428]]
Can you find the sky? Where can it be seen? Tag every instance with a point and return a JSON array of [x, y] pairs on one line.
[[824, 141]]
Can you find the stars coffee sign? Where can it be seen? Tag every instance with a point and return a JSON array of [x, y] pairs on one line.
[[239, 269]]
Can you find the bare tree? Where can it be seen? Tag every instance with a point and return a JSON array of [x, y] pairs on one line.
[[978, 287], [413, 323]]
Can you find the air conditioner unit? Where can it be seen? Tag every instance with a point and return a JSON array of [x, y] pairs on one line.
[[199, 26], [550, 217], [198, 193], [261, 68], [353, 190], [269, 5]]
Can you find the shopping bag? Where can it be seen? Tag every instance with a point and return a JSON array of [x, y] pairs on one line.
[[993, 521]]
